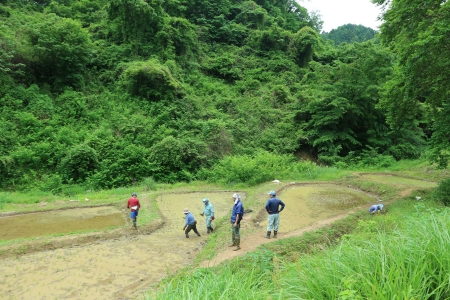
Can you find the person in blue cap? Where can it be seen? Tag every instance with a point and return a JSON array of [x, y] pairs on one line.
[[273, 209], [208, 212], [375, 209]]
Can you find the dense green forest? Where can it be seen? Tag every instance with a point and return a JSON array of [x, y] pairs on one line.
[[350, 33], [107, 93]]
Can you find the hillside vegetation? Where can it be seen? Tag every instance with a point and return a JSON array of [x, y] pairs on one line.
[[100, 94], [350, 33]]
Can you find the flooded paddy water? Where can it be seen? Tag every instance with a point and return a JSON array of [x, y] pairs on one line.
[[59, 221]]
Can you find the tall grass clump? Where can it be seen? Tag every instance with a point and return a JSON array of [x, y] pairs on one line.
[[442, 192], [411, 262], [248, 277]]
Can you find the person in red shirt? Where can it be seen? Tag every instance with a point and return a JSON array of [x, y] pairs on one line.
[[134, 205]]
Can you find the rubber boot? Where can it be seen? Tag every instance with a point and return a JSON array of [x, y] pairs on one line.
[[198, 234], [233, 239], [238, 242], [187, 235], [275, 234], [267, 236], [210, 227], [209, 230], [134, 225]]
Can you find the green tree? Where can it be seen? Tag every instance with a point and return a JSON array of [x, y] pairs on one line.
[[80, 162], [150, 80], [302, 46], [350, 33], [177, 159], [62, 50], [337, 105], [136, 22], [418, 33]]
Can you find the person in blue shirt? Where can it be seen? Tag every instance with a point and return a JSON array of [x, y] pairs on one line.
[[190, 224], [236, 217], [273, 209], [375, 209], [208, 212]]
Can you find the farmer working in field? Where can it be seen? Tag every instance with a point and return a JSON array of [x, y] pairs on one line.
[[134, 205], [190, 224], [236, 217], [375, 209], [208, 212], [273, 209]]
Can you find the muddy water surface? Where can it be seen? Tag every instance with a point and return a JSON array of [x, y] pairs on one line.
[[308, 204], [59, 221]]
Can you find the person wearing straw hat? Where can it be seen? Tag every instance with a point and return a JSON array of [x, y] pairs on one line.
[[190, 224], [208, 212], [134, 205], [273, 209]]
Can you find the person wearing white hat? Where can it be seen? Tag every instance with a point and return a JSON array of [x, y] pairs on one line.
[[236, 217], [190, 224], [208, 212], [273, 209]]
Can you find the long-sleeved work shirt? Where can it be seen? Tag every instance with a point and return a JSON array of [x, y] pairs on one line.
[[238, 209], [273, 205], [208, 210], [189, 219]]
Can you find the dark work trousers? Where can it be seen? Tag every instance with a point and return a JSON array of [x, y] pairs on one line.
[[192, 227]]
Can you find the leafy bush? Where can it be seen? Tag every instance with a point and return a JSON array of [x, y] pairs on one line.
[[150, 80], [442, 192], [79, 163], [175, 159], [262, 167], [52, 183]]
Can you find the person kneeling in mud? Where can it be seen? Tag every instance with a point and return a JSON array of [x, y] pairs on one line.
[[375, 209], [190, 224]]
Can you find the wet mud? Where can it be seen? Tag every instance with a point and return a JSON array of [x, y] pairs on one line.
[[400, 181], [126, 266], [59, 221], [121, 268], [306, 204]]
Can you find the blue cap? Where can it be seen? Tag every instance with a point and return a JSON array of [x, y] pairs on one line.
[[205, 200], [272, 193], [134, 194]]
